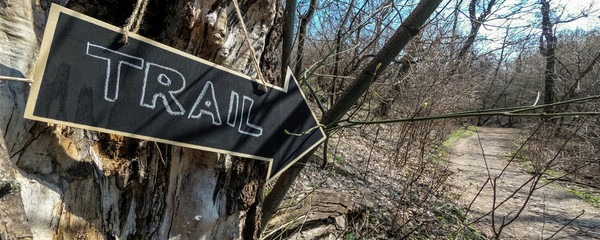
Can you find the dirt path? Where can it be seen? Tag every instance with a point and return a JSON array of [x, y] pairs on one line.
[[549, 208]]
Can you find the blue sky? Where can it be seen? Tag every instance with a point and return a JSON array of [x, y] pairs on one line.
[[528, 20], [529, 17], [593, 20]]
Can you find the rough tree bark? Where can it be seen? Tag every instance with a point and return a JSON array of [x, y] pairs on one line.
[[13, 221], [17, 51], [288, 37], [83, 184]]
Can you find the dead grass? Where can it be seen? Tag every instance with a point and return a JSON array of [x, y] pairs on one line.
[[395, 178]]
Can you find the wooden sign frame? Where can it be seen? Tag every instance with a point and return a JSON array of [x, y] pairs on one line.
[[50, 35]]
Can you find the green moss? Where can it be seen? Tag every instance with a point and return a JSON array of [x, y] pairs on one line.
[[339, 160], [458, 134], [450, 215], [553, 173], [594, 199], [517, 157], [443, 150], [351, 236]]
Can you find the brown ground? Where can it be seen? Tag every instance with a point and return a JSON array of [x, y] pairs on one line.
[[548, 210]]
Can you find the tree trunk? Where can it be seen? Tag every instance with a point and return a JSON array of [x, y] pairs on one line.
[[304, 21], [476, 23], [77, 183], [547, 48], [288, 38], [13, 221], [18, 48]]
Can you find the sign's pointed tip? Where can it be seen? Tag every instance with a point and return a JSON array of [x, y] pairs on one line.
[[288, 78]]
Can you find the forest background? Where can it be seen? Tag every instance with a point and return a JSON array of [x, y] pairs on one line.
[[391, 81]]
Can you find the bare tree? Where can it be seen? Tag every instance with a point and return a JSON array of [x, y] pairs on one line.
[[304, 22], [547, 48], [409, 28], [476, 23]]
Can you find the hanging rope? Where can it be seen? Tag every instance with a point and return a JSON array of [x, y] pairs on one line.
[[253, 57], [136, 17]]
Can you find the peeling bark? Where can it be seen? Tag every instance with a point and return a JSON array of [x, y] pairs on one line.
[[83, 184], [210, 30], [320, 215], [13, 221]]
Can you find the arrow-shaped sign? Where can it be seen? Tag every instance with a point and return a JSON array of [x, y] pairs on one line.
[[85, 77]]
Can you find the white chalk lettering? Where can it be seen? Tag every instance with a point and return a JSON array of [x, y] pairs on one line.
[[256, 130], [113, 71], [160, 81], [235, 97], [210, 105], [166, 83]]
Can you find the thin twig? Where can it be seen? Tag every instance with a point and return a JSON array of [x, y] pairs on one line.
[[514, 111], [370, 153], [16, 79], [349, 123], [567, 224]]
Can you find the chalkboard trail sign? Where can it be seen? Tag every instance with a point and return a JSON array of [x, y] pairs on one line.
[[87, 78]]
